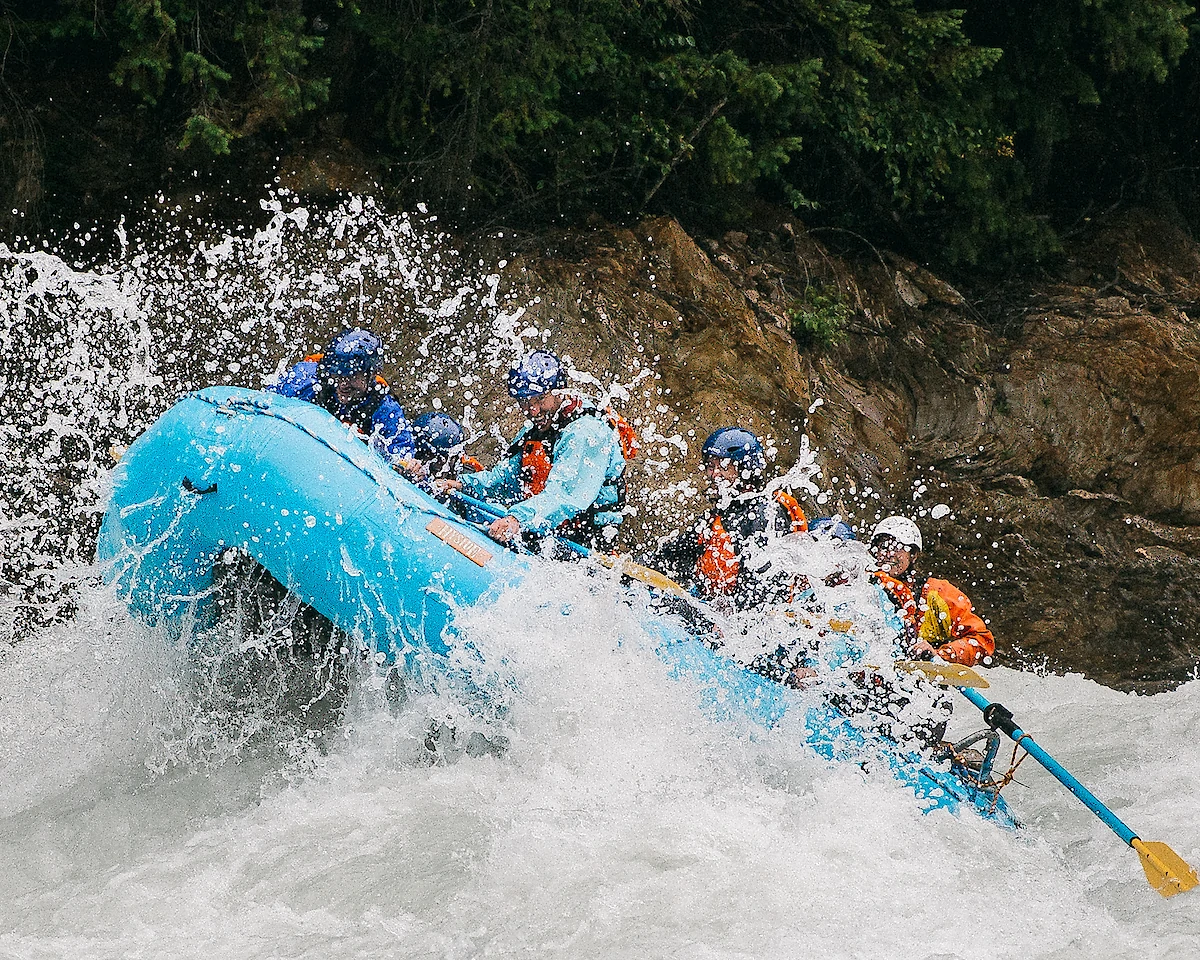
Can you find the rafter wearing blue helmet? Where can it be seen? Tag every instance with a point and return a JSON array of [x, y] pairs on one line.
[[536, 373], [344, 379], [708, 557], [439, 440], [742, 449], [565, 471]]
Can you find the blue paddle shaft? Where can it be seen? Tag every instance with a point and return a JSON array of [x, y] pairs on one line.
[[1055, 768], [498, 512]]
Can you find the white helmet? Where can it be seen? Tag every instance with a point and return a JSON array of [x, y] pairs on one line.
[[900, 529]]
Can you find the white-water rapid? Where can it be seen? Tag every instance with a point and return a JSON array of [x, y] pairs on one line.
[[136, 820]]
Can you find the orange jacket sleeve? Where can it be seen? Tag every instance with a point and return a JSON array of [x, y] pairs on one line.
[[906, 605], [972, 639]]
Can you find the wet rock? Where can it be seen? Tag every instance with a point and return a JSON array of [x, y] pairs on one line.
[[334, 166]]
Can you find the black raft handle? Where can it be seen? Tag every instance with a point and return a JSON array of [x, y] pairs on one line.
[[192, 488]]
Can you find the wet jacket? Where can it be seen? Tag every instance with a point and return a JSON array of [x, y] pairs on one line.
[[572, 482], [958, 633], [378, 416], [905, 604], [939, 613], [709, 557]]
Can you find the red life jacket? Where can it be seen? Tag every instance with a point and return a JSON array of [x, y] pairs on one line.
[[718, 567]]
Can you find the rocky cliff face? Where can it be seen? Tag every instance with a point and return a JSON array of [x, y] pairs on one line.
[[1061, 431]]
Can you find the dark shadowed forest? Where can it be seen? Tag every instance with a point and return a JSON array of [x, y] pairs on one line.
[[972, 137]]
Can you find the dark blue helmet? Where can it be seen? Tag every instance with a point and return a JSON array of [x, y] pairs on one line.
[[436, 434], [831, 528], [537, 373], [353, 351], [737, 444]]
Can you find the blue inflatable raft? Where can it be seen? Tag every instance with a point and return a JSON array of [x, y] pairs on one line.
[[286, 483]]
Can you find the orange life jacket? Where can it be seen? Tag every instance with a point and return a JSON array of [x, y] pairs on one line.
[[470, 464], [718, 567], [626, 434], [972, 640], [535, 467], [789, 503]]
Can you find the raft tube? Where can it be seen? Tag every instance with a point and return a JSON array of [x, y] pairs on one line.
[[285, 482]]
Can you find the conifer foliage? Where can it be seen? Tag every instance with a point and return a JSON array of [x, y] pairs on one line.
[[898, 117]]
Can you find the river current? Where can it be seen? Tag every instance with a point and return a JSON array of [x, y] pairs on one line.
[[138, 819]]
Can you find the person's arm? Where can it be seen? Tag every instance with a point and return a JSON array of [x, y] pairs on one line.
[[301, 378], [502, 483], [677, 557], [972, 640], [581, 460], [391, 435], [900, 608]]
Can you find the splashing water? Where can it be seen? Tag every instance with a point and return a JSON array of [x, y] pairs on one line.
[[137, 818]]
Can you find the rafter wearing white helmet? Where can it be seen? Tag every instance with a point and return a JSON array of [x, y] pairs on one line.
[[900, 529]]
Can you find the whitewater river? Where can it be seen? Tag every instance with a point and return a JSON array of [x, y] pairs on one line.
[[140, 819], [620, 823]]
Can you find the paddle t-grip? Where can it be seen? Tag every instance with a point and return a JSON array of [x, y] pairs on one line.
[[999, 717]]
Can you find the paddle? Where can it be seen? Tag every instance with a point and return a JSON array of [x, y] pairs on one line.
[[1167, 872], [635, 571], [947, 674]]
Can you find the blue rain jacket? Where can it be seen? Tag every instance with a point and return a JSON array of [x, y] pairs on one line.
[[587, 452], [378, 416]]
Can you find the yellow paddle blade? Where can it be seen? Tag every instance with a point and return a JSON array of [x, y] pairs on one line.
[[947, 674], [635, 571], [1166, 870]]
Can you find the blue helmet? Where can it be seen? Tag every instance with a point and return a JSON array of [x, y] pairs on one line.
[[737, 444], [353, 351], [831, 528], [436, 434], [537, 373]]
